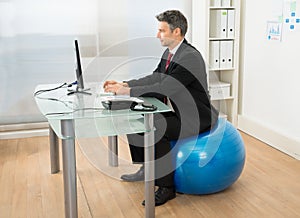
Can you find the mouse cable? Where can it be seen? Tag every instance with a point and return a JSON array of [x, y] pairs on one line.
[[48, 90], [58, 100]]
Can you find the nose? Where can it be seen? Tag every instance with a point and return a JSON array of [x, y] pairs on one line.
[[158, 35]]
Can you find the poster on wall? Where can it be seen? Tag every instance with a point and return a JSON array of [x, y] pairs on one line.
[[274, 30], [291, 15], [284, 20], [274, 24]]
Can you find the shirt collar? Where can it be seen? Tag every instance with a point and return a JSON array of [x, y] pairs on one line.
[[174, 50]]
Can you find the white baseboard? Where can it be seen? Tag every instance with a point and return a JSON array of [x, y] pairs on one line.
[[23, 126], [286, 144], [24, 133]]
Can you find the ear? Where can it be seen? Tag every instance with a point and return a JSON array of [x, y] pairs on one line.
[[177, 31]]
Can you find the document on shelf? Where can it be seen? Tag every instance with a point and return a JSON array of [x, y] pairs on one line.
[[226, 54], [216, 3], [230, 24], [218, 25], [214, 54], [226, 3]]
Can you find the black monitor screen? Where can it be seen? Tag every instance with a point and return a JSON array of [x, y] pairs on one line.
[[78, 68]]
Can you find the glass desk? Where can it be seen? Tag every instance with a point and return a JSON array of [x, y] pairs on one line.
[[83, 116]]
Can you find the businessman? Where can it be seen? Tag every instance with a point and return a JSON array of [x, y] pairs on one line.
[[180, 81]]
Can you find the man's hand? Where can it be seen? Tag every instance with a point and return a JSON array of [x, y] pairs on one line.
[[113, 82], [116, 87], [109, 82]]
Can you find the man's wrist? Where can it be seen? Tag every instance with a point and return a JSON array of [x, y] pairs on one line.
[[123, 91], [127, 91], [125, 84]]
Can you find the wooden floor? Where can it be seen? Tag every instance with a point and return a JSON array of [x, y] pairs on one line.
[[268, 187]]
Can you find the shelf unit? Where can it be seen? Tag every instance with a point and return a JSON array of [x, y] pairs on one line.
[[207, 37]]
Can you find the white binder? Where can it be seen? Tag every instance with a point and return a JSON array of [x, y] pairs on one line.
[[226, 54], [218, 26], [215, 3], [230, 24], [214, 54], [225, 3]]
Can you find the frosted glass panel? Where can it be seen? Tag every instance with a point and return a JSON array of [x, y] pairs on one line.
[[36, 43]]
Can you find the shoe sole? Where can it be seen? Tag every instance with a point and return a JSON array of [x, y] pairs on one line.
[[132, 180], [159, 204]]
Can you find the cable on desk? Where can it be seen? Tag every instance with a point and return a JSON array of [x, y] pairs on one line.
[[55, 99], [76, 110], [48, 90], [58, 100]]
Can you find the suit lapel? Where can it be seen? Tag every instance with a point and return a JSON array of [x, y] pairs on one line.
[[176, 57]]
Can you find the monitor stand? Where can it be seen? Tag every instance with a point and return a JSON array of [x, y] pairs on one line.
[[79, 91]]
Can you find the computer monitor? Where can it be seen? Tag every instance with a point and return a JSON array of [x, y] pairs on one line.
[[79, 75]]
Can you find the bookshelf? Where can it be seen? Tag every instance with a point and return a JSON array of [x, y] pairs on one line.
[[217, 37]]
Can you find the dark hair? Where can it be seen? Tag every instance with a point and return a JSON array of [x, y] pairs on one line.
[[175, 19]]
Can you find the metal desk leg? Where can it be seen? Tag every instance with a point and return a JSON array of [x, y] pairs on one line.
[[54, 151], [149, 167], [113, 151], [69, 168]]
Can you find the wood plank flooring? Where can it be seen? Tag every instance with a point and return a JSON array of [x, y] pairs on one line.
[[268, 187]]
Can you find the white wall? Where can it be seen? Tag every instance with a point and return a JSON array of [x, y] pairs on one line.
[[270, 87], [123, 20]]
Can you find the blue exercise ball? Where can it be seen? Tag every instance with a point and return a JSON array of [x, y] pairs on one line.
[[209, 162]]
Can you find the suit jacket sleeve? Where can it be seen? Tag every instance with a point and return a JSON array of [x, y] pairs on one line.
[[181, 73]]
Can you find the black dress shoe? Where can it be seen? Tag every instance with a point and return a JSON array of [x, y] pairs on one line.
[[138, 176], [162, 195]]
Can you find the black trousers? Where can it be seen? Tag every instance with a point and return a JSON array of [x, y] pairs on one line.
[[167, 128]]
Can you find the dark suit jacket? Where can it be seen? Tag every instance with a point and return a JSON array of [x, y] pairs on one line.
[[185, 83]]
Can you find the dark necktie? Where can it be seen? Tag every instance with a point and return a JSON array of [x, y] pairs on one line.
[[167, 65], [170, 55]]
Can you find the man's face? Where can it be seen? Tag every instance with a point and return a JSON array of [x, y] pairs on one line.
[[166, 36]]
